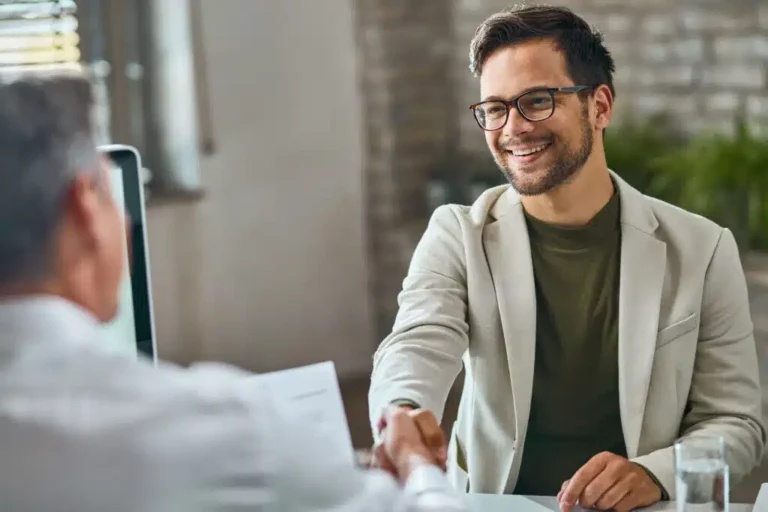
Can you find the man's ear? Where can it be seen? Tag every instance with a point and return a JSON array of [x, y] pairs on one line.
[[603, 107], [82, 204]]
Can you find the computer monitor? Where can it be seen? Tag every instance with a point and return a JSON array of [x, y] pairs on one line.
[[133, 329]]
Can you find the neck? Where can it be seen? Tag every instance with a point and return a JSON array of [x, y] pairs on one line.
[[575, 202], [20, 290], [23, 290]]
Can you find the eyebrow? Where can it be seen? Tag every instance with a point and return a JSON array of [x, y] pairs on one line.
[[509, 98]]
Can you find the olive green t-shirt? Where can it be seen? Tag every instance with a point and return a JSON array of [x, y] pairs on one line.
[[575, 403]]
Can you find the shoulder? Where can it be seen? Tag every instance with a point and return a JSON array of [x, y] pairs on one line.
[[92, 368], [452, 227], [206, 403], [160, 407], [686, 233], [675, 217], [689, 234], [491, 205]]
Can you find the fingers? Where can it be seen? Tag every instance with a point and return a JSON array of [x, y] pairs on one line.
[[430, 430], [628, 503], [609, 482], [615, 494], [401, 435], [402, 444], [431, 433], [381, 460], [395, 418], [615, 470], [580, 480]]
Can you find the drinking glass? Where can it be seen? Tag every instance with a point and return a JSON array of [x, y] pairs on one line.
[[701, 475]]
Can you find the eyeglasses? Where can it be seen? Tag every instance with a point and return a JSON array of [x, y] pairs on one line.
[[534, 105]]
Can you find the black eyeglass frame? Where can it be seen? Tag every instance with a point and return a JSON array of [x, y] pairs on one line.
[[515, 102]]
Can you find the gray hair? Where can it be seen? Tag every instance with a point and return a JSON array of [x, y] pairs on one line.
[[46, 139]]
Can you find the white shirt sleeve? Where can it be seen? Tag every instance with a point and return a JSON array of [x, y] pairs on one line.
[[305, 477]]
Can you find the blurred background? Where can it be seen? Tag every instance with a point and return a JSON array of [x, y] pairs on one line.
[[295, 149]]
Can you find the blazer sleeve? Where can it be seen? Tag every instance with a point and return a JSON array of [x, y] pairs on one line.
[[725, 394], [420, 359]]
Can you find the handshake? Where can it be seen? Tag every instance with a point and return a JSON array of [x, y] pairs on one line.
[[409, 438]]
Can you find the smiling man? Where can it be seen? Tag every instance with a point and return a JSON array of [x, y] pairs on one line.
[[596, 325]]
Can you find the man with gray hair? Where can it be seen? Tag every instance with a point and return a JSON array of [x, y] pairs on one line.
[[86, 429]]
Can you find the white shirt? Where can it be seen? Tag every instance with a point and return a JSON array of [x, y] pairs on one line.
[[84, 429]]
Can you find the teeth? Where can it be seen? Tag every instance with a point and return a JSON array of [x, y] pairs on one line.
[[524, 152]]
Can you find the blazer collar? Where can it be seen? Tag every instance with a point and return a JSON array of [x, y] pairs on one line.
[[635, 210]]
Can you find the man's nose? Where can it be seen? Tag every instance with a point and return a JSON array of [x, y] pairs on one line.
[[516, 124]]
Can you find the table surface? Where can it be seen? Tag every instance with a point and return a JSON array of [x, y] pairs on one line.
[[507, 503]]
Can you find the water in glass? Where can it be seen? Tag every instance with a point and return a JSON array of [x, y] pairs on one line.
[[701, 476]]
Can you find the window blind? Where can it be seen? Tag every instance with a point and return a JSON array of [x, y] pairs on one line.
[[38, 36]]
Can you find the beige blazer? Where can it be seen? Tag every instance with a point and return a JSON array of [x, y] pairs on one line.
[[687, 358]]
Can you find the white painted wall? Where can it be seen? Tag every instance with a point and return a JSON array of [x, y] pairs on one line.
[[269, 269]]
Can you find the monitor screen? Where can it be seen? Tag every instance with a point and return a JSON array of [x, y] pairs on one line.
[[132, 329]]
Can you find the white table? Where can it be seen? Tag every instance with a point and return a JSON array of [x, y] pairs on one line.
[[513, 503]]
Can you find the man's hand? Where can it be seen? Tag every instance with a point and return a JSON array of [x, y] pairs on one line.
[[609, 482], [409, 438], [431, 434]]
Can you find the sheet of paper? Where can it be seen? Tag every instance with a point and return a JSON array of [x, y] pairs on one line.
[[762, 498], [313, 393]]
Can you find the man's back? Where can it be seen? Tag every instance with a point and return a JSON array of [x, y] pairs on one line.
[[85, 429]]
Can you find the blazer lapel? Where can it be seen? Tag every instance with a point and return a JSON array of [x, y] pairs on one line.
[[643, 266], [509, 257]]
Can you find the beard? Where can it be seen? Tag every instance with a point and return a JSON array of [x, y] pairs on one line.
[[567, 162]]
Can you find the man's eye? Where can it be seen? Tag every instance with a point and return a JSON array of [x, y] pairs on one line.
[[495, 111]]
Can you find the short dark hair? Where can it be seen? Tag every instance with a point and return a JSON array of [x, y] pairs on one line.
[[587, 59], [47, 137]]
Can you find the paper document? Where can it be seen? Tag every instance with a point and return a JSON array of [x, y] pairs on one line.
[[313, 393], [762, 498]]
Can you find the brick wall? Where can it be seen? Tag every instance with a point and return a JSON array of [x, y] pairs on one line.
[[405, 55], [703, 60]]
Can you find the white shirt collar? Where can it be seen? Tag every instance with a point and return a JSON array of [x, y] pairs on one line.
[[44, 316]]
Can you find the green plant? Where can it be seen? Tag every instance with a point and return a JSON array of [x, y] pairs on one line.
[[632, 149], [724, 178]]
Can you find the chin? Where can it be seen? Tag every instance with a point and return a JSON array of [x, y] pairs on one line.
[[531, 189], [530, 183]]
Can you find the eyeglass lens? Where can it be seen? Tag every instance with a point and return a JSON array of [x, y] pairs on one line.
[[534, 106]]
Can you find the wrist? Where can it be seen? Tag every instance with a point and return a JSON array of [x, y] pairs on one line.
[[663, 495]]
